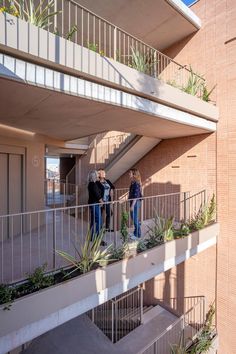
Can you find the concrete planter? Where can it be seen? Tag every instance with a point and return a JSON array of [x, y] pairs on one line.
[[37, 313], [42, 47], [214, 345]]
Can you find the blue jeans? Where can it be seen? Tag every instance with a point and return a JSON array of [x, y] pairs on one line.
[[135, 217], [95, 220]]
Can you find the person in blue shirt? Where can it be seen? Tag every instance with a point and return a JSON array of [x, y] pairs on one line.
[[135, 196]]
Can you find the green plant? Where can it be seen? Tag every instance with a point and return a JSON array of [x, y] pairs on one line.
[[39, 15], [7, 295], [194, 83], [141, 62], [89, 254], [205, 96], [142, 246], [92, 46], [118, 253], [184, 230], [71, 32], [204, 216], [10, 9], [39, 280], [203, 342], [124, 231], [160, 231]]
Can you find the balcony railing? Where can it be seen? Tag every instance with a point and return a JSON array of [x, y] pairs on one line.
[[80, 25], [29, 240], [182, 332], [119, 316]]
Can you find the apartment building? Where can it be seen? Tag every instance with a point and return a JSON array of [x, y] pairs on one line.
[[115, 85]]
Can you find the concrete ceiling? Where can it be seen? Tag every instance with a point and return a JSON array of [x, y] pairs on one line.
[[67, 117], [159, 23]]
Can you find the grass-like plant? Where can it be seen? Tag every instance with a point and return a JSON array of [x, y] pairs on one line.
[[204, 216], [71, 32], [194, 83], [39, 15], [203, 342], [160, 232], [205, 96], [89, 254], [92, 46], [141, 62]]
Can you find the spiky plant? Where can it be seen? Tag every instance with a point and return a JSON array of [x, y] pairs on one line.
[[160, 231], [205, 215], [39, 15], [141, 62], [206, 93], [89, 254], [194, 83]]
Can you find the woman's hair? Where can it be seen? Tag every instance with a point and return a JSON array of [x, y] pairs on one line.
[[136, 175], [92, 176]]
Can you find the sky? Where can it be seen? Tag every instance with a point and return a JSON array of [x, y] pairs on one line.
[[188, 2]]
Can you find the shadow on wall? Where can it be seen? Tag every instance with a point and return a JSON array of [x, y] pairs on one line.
[[165, 153]]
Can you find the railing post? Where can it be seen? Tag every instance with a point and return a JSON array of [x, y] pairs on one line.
[[64, 195], [141, 304], [54, 238], [112, 322], [186, 206], [53, 192], [115, 43], [76, 196], [115, 215], [92, 315]]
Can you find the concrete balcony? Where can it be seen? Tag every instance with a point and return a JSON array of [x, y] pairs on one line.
[[39, 312], [65, 79]]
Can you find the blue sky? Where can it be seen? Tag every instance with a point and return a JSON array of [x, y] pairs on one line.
[[188, 2]]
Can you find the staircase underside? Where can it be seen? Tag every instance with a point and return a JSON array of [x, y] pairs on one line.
[[82, 336]]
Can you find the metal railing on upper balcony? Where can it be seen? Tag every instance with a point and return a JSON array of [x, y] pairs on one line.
[[29, 240], [80, 25]]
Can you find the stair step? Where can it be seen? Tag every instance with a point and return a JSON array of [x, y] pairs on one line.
[[152, 313]]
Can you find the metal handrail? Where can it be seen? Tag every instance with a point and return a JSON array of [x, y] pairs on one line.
[[85, 205], [132, 36], [181, 319]]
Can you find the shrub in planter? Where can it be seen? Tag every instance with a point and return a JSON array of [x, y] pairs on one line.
[[89, 254], [205, 215]]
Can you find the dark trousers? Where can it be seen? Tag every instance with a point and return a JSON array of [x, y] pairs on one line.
[[107, 210], [95, 220], [135, 217]]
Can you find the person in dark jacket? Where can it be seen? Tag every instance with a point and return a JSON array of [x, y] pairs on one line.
[[95, 200], [108, 189], [135, 195]]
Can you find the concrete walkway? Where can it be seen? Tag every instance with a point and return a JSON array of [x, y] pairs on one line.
[[81, 336]]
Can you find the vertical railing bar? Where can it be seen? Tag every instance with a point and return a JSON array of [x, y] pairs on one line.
[[38, 225], [21, 245], [62, 18], [30, 245], [2, 228], [12, 249], [82, 28], [76, 24]]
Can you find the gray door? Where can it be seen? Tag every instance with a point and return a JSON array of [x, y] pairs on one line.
[[11, 192]]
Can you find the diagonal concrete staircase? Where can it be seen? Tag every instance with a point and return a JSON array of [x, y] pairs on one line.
[[81, 336]]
